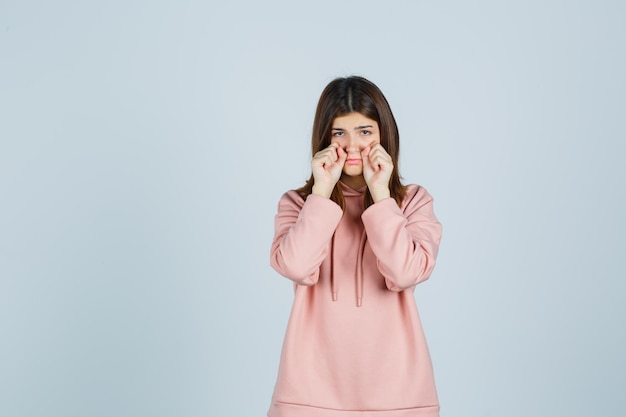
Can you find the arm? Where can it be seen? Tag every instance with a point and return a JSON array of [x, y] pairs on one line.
[[405, 241], [302, 231]]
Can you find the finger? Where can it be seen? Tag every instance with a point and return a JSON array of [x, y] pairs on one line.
[[327, 153], [342, 155], [329, 148], [377, 145], [379, 149], [380, 157], [375, 156], [324, 159], [365, 153]]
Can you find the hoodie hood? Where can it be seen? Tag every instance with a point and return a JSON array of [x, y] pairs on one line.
[[351, 192]]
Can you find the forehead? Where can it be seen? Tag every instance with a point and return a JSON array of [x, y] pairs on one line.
[[353, 120]]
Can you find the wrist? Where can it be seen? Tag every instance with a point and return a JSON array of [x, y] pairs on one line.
[[379, 194], [322, 190]]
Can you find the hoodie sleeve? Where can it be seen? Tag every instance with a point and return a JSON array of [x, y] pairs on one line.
[[405, 241], [302, 232]]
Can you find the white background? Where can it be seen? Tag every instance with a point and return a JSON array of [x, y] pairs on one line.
[[144, 146]]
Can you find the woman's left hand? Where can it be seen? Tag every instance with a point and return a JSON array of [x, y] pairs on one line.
[[377, 169]]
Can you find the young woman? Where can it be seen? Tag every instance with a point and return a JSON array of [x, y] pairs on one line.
[[355, 241]]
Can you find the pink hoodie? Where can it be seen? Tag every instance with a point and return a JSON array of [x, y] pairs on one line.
[[354, 344]]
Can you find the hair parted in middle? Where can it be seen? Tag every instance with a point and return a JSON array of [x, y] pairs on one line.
[[343, 96]]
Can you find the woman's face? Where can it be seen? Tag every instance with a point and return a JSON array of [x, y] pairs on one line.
[[354, 132]]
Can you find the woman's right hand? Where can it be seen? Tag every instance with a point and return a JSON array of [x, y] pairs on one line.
[[327, 166]]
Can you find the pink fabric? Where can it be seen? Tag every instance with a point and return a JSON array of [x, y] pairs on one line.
[[362, 352]]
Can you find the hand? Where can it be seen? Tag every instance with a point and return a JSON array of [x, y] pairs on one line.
[[327, 166], [377, 169]]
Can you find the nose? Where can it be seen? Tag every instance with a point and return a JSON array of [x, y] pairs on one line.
[[353, 144]]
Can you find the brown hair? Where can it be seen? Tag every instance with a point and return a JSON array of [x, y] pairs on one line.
[[356, 94]]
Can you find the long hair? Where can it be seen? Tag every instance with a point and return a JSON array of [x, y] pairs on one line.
[[356, 94]]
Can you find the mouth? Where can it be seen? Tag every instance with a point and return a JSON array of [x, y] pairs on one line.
[[353, 161]]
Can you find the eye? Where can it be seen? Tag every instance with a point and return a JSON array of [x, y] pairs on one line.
[[338, 133], [366, 132]]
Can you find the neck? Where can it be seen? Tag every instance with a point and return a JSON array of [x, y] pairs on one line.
[[355, 182]]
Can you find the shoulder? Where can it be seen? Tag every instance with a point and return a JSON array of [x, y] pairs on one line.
[[292, 196], [292, 205], [416, 195], [291, 199], [417, 200]]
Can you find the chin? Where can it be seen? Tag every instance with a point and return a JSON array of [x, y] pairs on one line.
[[353, 171]]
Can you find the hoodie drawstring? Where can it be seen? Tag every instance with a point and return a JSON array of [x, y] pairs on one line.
[[333, 285], [359, 270]]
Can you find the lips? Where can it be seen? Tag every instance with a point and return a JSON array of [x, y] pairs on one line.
[[353, 161]]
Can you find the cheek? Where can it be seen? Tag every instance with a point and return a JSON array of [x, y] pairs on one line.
[[339, 141], [370, 140]]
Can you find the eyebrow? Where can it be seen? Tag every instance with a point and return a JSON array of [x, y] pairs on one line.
[[356, 128]]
